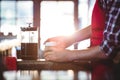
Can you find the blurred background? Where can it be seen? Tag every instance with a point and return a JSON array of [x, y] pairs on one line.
[[26, 24], [51, 17]]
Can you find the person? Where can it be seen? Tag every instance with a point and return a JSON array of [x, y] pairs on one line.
[[104, 34]]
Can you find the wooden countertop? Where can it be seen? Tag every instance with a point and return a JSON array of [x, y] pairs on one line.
[[47, 65]]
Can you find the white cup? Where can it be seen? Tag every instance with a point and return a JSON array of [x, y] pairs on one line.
[[50, 44]]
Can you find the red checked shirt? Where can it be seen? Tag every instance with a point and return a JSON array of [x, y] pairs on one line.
[[111, 39]]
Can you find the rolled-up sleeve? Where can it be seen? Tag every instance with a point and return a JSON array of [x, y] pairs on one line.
[[111, 40]]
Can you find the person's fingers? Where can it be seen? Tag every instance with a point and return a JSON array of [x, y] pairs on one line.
[[48, 40], [51, 57], [48, 52], [49, 48], [53, 39], [48, 56]]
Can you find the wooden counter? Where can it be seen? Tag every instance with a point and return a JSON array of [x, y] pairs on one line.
[[46, 65], [54, 67]]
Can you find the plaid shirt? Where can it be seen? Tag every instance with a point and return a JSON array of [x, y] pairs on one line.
[[111, 40]]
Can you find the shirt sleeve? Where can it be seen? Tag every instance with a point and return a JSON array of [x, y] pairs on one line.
[[111, 36]]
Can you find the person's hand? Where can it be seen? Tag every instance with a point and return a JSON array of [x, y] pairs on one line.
[[61, 41], [57, 55]]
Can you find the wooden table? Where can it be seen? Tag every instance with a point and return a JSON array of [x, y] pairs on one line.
[[41, 65]]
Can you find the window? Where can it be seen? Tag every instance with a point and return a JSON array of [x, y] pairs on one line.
[[85, 11], [7, 16], [57, 18], [15, 14]]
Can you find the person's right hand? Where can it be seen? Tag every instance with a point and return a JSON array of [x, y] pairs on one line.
[[61, 41]]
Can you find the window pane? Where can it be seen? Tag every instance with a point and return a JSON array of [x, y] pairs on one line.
[[85, 12], [23, 22], [25, 9], [57, 18], [8, 25], [8, 9], [7, 16], [24, 13], [15, 14]]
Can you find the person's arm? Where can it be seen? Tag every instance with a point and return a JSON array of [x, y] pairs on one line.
[[64, 55], [78, 36], [111, 40], [66, 41], [110, 46], [81, 34], [89, 54]]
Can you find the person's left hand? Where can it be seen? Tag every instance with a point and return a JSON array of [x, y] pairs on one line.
[[57, 55]]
